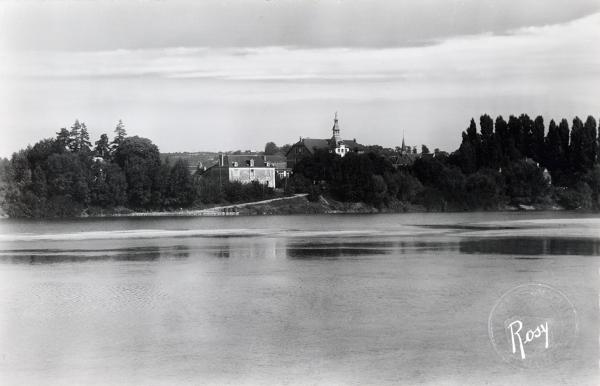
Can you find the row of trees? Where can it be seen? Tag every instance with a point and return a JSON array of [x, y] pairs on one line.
[[514, 162], [570, 153], [67, 176], [567, 152]]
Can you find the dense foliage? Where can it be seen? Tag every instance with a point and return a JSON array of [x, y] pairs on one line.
[[65, 176], [514, 162]]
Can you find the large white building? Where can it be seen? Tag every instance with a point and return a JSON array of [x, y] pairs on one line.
[[247, 168]]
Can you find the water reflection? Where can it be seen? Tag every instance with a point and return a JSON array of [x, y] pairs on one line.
[[224, 252], [531, 246], [330, 253], [148, 253], [309, 249]]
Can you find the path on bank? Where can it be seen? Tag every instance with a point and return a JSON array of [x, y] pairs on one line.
[[214, 211], [225, 207]]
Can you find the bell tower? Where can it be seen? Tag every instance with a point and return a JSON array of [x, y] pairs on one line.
[[336, 130]]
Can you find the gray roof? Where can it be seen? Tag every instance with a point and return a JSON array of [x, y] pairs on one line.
[[276, 161], [353, 145], [313, 144]]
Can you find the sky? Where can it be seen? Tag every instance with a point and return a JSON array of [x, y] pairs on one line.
[[228, 75]]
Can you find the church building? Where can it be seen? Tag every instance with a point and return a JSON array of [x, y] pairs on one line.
[[307, 146]]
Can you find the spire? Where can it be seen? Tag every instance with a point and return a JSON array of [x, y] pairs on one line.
[[336, 129], [403, 145]]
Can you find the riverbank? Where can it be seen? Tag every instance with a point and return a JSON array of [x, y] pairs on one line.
[[327, 205], [299, 204], [289, 205], [222, 210]]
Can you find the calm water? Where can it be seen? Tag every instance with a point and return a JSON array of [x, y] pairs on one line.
[[373, 299]]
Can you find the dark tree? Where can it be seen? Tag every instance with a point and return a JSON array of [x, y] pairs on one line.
[[39, 153], [102, 148], [108, 187], [490, 156], [487, 127], [484, 189], [590, 143], [75, 136], [181, 192], [515, 139], [67, 179], [466, 155], [563, 133], [271, 148], [472, 131], [552, 149], [525, 182], [120, 134], [63, 137], [501, 141], [526, 147], [140, 160], [285, 148], [537, 144], [84, 139], [577, 154]]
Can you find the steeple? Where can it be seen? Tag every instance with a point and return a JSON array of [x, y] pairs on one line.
[[336, 130], [403, 145]]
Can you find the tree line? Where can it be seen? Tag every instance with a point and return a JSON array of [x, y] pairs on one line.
[[498, 164], [68, 176]]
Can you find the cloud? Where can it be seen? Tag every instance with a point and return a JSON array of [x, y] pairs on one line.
[[248, 93], [530, 53], [108, 25]]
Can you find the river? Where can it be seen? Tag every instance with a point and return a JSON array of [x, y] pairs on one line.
[[332, 299]]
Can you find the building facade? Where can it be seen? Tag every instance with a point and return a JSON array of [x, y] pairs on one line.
[[247, 168]]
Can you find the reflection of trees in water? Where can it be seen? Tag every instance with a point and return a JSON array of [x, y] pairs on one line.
[[222, 252], [528, 246], [421, 246], [336, 250], [259, 248], [351, 248], [146, 253], [532, 246]]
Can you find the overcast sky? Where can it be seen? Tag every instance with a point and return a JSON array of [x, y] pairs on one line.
[[227, 75]]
